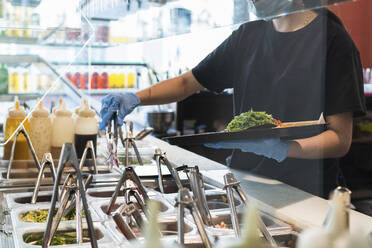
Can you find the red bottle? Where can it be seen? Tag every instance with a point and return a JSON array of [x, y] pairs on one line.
[[77, 80], [94, 81], [104, 80], [99, 82]]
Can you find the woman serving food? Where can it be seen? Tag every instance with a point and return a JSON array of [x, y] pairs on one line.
[[294, 67]]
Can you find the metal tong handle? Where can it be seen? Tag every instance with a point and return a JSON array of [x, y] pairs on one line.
[[46, 161], [129, 210], [143, 133], [184, 200], [68, 154], [23, 131], [128, 174], [159, 158], [88, 147], [197, 187], [230, 184]]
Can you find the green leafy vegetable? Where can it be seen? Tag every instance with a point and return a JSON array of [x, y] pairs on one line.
[[250, 119], [61, 238], [41, 215]]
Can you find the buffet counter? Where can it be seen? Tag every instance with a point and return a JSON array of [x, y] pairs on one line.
[[296, 207], [285, 209]]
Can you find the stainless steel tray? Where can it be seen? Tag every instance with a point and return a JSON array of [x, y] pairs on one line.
[[18, 223], [105, 239]]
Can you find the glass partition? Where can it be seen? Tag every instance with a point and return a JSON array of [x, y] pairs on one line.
[[152, 20], [33, 33]]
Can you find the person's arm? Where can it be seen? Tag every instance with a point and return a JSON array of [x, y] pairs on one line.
[[172, 90], [332, 143]]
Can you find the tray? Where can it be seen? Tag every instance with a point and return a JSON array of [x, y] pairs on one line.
[[290, 131]]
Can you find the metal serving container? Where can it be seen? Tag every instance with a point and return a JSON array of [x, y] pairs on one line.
[[100, 198], [273, 225], [284, 239], [18, 223], [25, 172], [216, 199], [168, 227], [104, 237], [22, 200]]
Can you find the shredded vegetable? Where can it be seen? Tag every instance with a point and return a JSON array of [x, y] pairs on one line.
[[251, 119]]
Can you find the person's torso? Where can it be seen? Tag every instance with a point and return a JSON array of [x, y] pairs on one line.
[[283, 74]]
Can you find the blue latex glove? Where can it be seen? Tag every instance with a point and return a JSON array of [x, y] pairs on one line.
[[271, 148], [124, 103]]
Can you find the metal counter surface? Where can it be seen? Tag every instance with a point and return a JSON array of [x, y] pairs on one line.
[[296, 207]]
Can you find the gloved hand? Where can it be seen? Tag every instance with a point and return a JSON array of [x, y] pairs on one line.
[[124, 103], [271, 148]]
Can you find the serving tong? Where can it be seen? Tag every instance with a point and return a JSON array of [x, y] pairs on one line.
[[73, 192], [198, 190], [22, 131], [232, 184], [184, 200], [47, 160], [132, 188], [112, 141], [114, 133], [160, 158]]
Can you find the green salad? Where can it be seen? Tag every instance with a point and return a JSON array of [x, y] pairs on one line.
[[61, 238], [41, 215], [250, 119]]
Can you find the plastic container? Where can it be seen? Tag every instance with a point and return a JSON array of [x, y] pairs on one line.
[[86, 128], [63, 129], [16, 115], [41, 130]]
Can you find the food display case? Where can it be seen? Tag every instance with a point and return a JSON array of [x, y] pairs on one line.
[[90, 188]]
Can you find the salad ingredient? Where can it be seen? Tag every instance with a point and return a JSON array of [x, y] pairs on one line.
[[251, 119]]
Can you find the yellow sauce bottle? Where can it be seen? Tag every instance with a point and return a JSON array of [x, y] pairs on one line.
[[16, 115]]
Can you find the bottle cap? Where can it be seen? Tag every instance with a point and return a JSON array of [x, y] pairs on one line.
[[86, 111], [17, 110], [60, 103], [77, 109], [63, 111], [40, 111]]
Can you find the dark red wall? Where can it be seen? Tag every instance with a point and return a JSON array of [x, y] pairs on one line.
[[357, 17]]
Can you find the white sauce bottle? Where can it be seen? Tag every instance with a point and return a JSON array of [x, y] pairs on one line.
[[41, 130]]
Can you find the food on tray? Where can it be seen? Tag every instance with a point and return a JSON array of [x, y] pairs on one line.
[[41, 215], [222, 225], [133, 160], [251, 119], [61, 238]]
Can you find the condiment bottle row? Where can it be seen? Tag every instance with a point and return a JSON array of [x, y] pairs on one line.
[[21, 80], [48, 132], [102, 77]]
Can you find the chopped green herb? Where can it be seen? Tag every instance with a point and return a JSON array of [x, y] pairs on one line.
[[250, 119]]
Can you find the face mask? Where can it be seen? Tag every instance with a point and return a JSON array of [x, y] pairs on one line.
[[266, 9]]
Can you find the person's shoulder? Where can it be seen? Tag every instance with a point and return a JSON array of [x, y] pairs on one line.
[[251, 26], [339, 38], [249, 29]]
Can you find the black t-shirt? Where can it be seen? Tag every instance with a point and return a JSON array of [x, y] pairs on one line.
[[294, 76]]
